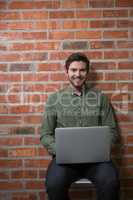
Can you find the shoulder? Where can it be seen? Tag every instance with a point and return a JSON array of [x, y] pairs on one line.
[[98, 94]]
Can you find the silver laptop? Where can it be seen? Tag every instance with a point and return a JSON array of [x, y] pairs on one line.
[[82, 144]]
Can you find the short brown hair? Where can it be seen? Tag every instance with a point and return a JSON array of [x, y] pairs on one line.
[[77, 57]]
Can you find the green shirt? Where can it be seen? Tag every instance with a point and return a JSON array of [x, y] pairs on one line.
[[66, 109]]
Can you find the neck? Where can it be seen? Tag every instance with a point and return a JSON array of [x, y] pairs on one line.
[[77, 90]]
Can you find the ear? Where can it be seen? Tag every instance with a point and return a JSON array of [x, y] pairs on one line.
[[66, 71]]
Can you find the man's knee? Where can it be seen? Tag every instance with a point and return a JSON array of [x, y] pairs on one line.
[[55, 185], [108, 176]]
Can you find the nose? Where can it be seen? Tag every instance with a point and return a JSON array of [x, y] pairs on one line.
[[77, 73]]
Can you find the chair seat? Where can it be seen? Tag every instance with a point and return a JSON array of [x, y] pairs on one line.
[[83, 180]]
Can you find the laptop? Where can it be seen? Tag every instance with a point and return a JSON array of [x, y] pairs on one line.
[[82, 144]]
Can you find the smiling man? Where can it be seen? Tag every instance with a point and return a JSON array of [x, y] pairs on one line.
[[78, 105]]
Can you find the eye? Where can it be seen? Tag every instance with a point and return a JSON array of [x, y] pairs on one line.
[[83, 70], [73, 70]]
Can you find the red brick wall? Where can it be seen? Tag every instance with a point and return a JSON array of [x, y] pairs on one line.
[[35, 38]]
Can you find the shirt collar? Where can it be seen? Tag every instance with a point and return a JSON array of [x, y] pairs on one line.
[[72, 90]]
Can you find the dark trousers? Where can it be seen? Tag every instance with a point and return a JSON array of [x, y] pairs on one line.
[[60, 177]]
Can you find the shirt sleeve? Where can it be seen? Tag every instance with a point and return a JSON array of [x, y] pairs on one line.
[[108, 118], [49, 124]]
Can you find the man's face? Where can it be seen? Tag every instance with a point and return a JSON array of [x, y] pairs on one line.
[[77, 73]]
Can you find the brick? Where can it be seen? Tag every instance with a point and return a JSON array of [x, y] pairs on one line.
[[41, 88], [73, 24], [101, 3], [33, 119], [10, 185], [22, 109], [24, 174], [10, 119], [3, 88], [3, 47], [59, 55], [95, 76], [34, 185], [22, 131], [42, 151], [123, 85], [127, 182], [31, 141], [10, 77], [125, 44], [115, 13], [3, 5], [2, 99], [23, 152], [103, 65], [21, 46], [35, 77], [88, 34], [130, 138], [42, 173], [3, 67], [34, 56], [4, 175], [125, 65], [3, 152], [124, 24], [123, 3], [47, 4], [102, 44], [39, 163], [75, 45], [58, 77], [35, 15], [95, 54], [117, 76], [10, 36], [50, 25], [10, 57], [116, 54], [3, 26], [106, 86], [61, 14], [47, 46], [20, 5], [124, 118], [61, 35], [13, 98], [34, 35], [89, 14], [63, 55], [115, 34], [10, 15], [10, 163], [102, 24], [20, 67], [10, 141], [3, 109], [131, 13], [74, 4], [20, 25], [36, 99], [118, 96], [24, 196], [40, 107], [49, 67]]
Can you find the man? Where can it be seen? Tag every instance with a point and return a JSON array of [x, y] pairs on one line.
[[78, 105]]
